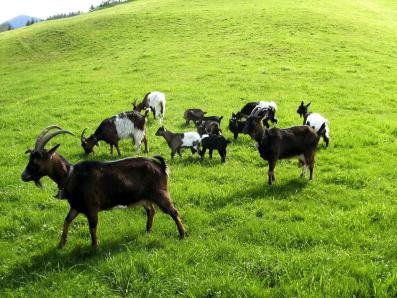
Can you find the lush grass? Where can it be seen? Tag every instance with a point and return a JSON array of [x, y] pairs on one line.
[[333, 236]]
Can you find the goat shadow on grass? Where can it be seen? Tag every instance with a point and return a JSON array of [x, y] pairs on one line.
[[81, 256], [278, 190]]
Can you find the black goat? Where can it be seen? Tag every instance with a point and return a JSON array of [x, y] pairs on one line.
[[111, 130], [193, 115], [212, 118], [274, 144], [236, 126], [216, 142], [93, 186]]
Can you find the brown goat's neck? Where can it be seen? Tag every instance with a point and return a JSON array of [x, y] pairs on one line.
[[168, 136], [60, 169]]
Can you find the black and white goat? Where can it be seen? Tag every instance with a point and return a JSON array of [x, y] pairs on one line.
[[193, 115], [214, 142], [314, 120], [94, 186], [236, 126], [155, 101], [111, 130], [251, 106], [274, 144], [177, 141]]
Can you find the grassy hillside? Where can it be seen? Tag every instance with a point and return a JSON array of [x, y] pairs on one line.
[[333, 236]]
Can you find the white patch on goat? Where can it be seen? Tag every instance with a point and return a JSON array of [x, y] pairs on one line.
[[156, 100], [190, 139], [267, 104], [316, 120], [126, 129], [120, 207]]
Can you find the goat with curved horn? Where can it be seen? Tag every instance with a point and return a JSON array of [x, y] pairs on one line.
[[44, 131], [48, 137], [82, 137]]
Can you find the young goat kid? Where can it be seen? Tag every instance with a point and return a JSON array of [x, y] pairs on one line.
[[155, 101], [93, 186], [208, 127], [236, 126], [212, 142], [274, 144], [111, 130], [193, 115], [177, 141], [314, 120]]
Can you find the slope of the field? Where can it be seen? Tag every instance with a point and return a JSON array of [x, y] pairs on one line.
[[333, 236]]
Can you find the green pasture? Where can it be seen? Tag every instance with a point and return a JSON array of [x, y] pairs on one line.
[[334, 236]]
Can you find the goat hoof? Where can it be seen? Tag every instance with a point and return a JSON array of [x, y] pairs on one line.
[[61, 244]]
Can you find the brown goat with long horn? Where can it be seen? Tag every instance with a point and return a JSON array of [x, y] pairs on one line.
[[93, 186]]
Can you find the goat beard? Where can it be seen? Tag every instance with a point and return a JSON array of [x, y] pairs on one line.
[[38, 183]]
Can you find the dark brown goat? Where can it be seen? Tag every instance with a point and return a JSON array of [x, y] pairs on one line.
[[111, 130], [274, 144], [93, 186], [193, 115]]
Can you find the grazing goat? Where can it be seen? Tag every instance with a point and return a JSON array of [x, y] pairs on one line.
[[236, 126], [249, 108], [177, 141], [208, 127], [274, 144], [193, 115], [155, 101], [314, 120], [93, 186], [111, 130], [216, 142]]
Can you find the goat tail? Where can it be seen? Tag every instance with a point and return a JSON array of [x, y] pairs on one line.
[[163, 164], [322, 129]]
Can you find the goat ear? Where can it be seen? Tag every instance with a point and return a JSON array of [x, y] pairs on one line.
[[28, 151], [308, 104], [53, 149], [302, 103], [233, 115]]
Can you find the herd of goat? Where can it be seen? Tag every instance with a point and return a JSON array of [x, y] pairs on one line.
[[93, 186]]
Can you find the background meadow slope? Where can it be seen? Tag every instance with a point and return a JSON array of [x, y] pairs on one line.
[[333, 236]]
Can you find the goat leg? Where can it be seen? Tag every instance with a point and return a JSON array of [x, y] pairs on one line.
[[69, 218], [271, 176], [150, 211], [117, 148], [164, 202], [145, 144], [92, 222]]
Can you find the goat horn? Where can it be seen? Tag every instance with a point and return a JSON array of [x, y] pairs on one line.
[[48, 137], [44, 131], [82, 138]]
